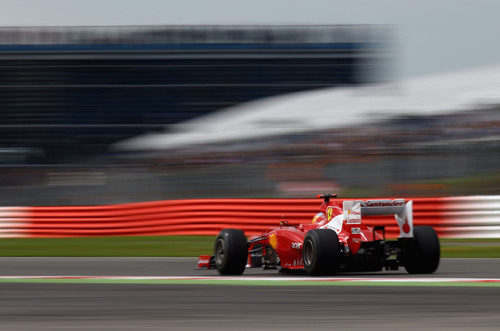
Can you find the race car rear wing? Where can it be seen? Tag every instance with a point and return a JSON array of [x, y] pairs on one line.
[[403, 212]]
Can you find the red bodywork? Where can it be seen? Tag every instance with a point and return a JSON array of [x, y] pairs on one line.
[[287, 240]]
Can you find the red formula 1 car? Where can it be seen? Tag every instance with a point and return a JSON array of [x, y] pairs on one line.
[[335, 241]]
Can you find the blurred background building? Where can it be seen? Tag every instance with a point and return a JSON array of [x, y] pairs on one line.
[[67, 93], [94, 115]]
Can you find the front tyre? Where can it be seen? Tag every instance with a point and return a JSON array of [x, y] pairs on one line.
[[422, 255], [321, 252], [230, 252]]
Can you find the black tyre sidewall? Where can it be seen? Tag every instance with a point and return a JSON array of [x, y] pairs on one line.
[[423, 254], [325, 252], [235, 252]]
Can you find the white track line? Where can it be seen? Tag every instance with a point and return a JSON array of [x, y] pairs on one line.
[[274, 279]]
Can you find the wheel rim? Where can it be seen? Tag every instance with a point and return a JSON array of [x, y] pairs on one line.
[[219, 252], [308, 253]]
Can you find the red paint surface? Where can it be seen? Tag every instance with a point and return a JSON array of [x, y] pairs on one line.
[[200, 217]]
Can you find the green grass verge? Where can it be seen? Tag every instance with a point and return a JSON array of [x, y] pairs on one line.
[[185, 246], [108, 246], [469, 248]]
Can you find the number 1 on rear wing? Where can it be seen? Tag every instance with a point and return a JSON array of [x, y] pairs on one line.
[[403, 212]]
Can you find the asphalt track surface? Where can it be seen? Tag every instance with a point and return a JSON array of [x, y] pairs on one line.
[[27, 306], [182, 266]]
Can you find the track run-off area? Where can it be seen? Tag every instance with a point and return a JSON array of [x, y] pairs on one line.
[[257, 281], [451, 273], [168, 293]]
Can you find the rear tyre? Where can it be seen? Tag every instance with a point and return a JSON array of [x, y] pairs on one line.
[[321, 252], [230, 252], [423, 253]]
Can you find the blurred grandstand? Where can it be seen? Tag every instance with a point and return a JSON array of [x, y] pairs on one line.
[[234, 111], [435, 135], [68, 92]]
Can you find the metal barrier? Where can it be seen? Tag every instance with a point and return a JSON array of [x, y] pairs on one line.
[[452, 217]]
